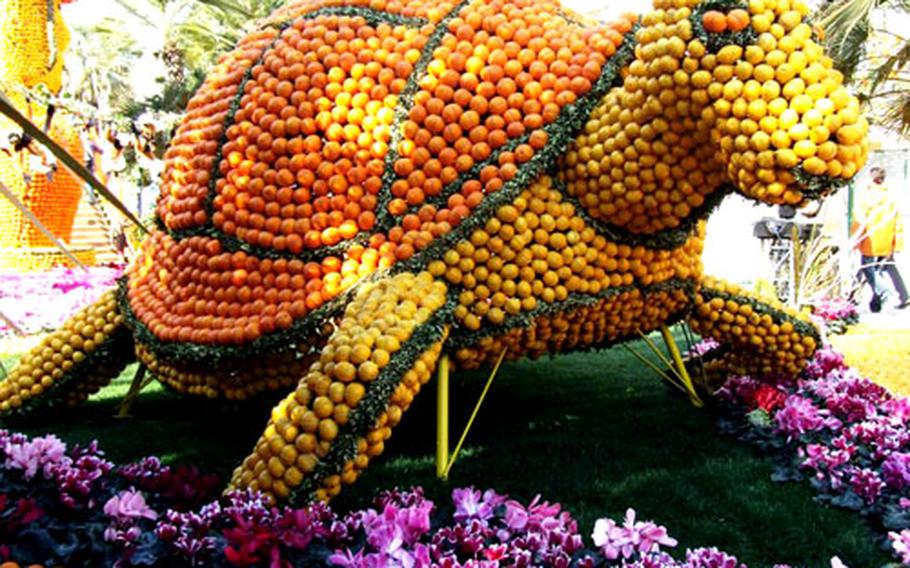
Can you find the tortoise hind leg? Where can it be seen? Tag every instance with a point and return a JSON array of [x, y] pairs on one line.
[[71, 363], [762, 335], [326, 432]]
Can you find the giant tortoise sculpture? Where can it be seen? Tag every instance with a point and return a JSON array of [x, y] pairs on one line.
[[362, 187]]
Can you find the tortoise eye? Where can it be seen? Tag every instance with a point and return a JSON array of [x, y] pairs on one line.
[[715, 21]]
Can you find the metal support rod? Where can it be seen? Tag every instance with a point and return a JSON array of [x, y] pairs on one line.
[[442, 418], [470, 423], [660, 354], [11, 324], [680, 366], [136, 387], [660, 372]]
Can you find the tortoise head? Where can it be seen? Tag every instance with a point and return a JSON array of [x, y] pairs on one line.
[[784, 126]]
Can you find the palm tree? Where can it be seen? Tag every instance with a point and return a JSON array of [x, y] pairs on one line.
[[874, 55]]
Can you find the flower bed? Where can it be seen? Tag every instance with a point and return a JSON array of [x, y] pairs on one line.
[[846, 435], [44, 300], [835, 314], [72, 507]]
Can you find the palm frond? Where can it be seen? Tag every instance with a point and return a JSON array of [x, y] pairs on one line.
[[7, 109], [846, 25], [893, 64], [896, 115]]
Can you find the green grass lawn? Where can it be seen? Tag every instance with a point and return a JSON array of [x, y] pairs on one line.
[[595, 432]]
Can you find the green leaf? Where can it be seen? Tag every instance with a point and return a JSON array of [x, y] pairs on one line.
[[7, 109]]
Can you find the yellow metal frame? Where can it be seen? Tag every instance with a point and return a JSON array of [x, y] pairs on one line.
[[140, 381], [676, 373], [444, 463]]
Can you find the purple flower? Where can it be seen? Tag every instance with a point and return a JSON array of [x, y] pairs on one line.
[[867, 484], [711, 558], [37, 454], [799, 415], [630, 538], [900, 543], [128, 505], [646, 536], [471, 504], [611, 539], [896, 470]]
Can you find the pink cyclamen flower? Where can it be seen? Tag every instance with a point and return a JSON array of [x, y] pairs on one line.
[[35, 455], [471, 504], [900, 543], [128, 505], [646, 536], [610, 538]]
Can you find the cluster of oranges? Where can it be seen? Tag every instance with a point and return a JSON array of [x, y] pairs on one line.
[[762, 341], [191, 156], [431, 10], [377, 323], [335, 129], [194, 291], [502, 72], [59, 354], [305, 154], [50, 191], [538, 249], [688, 118], [241, 382], [617, 317]]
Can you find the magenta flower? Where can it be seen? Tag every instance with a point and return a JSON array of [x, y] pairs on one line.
[[471, 504], [610, 538], [711, 558], [646, 536], [799, 415], [37, 454], [128, 505], [643, 537], [900, 543]]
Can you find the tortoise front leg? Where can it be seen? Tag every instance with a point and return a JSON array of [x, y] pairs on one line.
[[761, 334], [374, 364], [71, 363]]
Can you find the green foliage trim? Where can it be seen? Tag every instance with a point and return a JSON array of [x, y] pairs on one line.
[[815, 187]]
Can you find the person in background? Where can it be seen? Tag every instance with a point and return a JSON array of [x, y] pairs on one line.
[[878, 228]]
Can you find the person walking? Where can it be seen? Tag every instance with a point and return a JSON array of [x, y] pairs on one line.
[[877, 225]]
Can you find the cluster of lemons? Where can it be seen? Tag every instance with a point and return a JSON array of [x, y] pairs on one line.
[[687, 118], [761, 342], [375, 325], [60, 353], [243, 382], [608, 320], [537, 250]]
